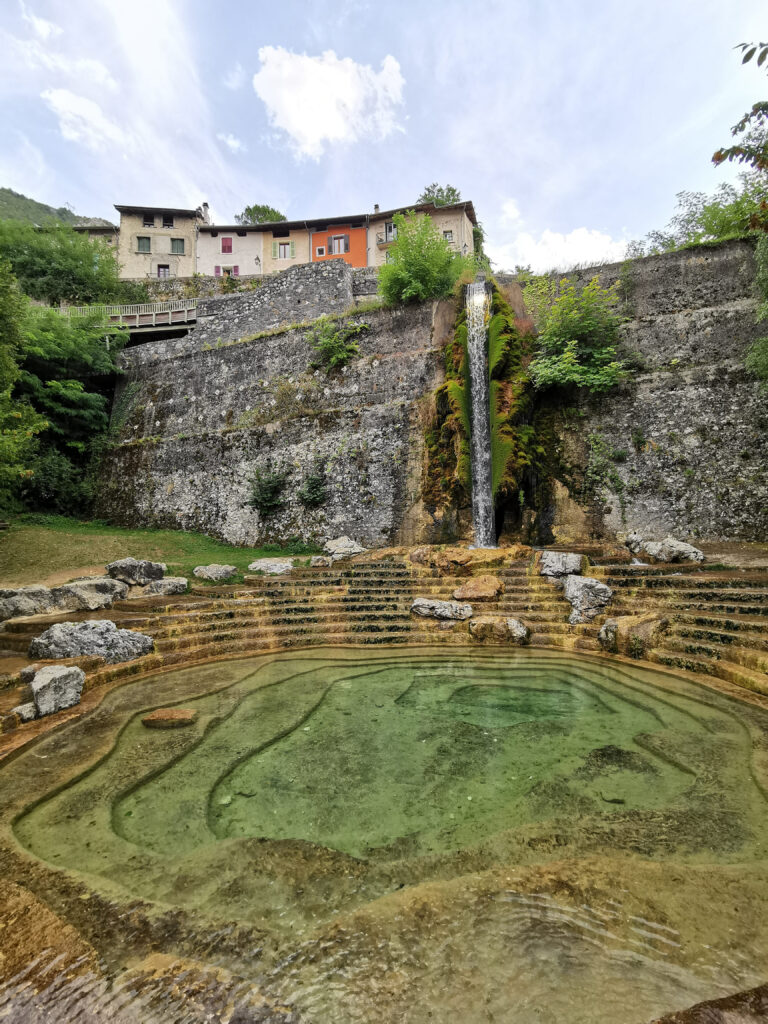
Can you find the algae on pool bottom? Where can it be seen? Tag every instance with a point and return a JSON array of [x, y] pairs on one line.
[[317, 787]]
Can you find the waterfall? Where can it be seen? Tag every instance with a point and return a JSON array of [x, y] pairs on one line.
[[477, 350]]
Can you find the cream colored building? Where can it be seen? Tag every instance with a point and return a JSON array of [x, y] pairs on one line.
[[454, 222], [235, 250], [286, 245], [157, 241]]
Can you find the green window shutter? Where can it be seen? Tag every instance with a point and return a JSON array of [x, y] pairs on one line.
[[274, 250], [293, 249], [346, 243]]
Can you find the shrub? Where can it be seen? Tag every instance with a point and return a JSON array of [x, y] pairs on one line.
[[335, 343], [420, 264], [577, 339], [314, 491], [267, 485]]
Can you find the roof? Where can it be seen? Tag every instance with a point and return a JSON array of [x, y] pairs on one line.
[[155, 209], [315, 222], [96, 226]]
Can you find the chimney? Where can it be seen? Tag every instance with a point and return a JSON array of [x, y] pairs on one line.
[[375, 207], [206, 215]]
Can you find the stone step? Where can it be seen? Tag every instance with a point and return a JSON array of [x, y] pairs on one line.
[[734, 623], [745, 656], [709, 634], [732, 673], [690, 582], [718, 607]]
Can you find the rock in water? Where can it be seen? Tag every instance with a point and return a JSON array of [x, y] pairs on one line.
[[168, 586], [498, 629], [137, 572], [587, 597], [169, 718], [560, 563], [100, 638], [479, 588], [343, 547], [56, 687], [214, 571], [428, 607], [272, 566]]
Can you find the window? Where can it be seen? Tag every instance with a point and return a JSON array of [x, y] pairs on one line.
[[320, 250], [167, 220], [448, 236], [284, 250], [177, 246], [390, 231], [217, 271], [337, 244], [163, 270], [142, 243], [148, 221], [226, 244]]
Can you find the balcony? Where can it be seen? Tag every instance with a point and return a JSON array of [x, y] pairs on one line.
[[385, 238]]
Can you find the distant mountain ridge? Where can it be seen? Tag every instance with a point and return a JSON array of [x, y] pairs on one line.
[[15, 206]]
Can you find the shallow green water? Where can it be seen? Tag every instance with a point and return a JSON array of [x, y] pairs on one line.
[[324, 785]]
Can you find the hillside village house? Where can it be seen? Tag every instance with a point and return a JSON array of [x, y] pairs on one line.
[[159, 242]]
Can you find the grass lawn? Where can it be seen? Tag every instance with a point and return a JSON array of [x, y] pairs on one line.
[[54, 549]]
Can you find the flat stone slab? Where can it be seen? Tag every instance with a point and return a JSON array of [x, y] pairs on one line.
[[168, 586], [560, 563], [479, 588], [170, 718], [272, 566], [214, 571], [428, 607], [99, 637]]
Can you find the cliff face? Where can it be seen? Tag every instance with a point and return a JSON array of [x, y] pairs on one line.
[[688, 435], [685, 441], [195, 422]]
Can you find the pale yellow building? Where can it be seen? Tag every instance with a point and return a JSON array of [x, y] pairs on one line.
[[286, 244], [158, 242], [454, 222]]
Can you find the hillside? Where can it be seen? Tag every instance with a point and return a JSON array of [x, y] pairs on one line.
[[14, 206]]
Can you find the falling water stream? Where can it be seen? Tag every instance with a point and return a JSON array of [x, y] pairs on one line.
[[477, 348]]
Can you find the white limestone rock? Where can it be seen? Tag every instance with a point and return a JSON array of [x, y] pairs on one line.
[[26, 712], [136, 572], [56, 687], [321, 561], [89, 594], [214, 571], [272, 566], [342, 547], [32, 600], [430, 608], [587, 597], [98, 637], [560, 563], [668, 550], [168, 586]]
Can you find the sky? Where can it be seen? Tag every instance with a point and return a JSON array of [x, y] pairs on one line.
[[571, 125]]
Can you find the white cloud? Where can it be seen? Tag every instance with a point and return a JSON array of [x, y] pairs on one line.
[[42, 28], [34, 56], [235, 79], [83, 120], [232, 142], [510, 211], [318, 101], [555, 251]]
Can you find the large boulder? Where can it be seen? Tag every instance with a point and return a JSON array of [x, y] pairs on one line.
[[214, 571], [88, 594], [557, 564], [272, 566], [447, 561], [56, 687], [479, 588], [137, 572], [168, 586], [99, 637], [668, 550], [32, 600], [587, 597], [632, 635], [428, 607], [498, 629], [342, 547]]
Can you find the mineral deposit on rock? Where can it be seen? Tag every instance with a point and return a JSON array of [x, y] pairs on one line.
[[479, 588], [430, 608]]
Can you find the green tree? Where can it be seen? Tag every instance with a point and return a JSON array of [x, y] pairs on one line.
[[19, 423], [577, 338], [420, 264], [259, 213], [57, 264], [440, 195]]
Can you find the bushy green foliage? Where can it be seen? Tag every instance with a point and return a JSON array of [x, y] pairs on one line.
[[57, 264], [267, 486], [259, 213], [335, 343], [15, 206], [757, 356], [440, 195], [577, 339], [421, 265], [314, 491]]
